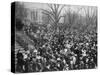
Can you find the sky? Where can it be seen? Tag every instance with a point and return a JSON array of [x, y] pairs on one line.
[[34, 5]]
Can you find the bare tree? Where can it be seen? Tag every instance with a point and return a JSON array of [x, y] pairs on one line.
[[90, 17], [90, 14], [54, 13], [20, 11], [71, 18]]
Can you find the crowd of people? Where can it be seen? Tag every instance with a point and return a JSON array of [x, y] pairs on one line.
[[59, 52]]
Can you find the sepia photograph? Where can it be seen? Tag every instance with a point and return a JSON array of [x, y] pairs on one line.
[[54, 37]]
